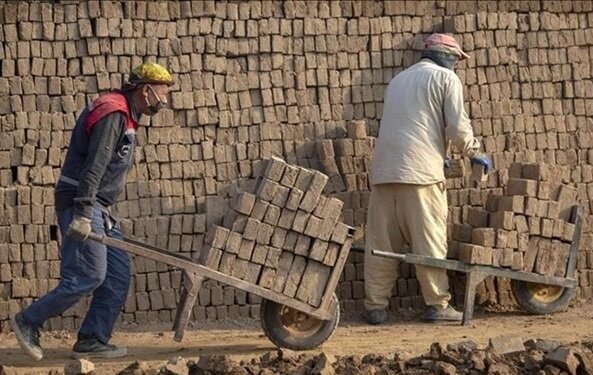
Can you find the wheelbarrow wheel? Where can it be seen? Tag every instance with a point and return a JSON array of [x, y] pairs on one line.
[[541, 299], [292, 329]]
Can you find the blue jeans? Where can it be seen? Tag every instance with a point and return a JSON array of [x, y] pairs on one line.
[[87, 268]]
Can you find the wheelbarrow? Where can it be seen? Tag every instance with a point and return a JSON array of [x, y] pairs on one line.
[[286, 321], [535, 293]]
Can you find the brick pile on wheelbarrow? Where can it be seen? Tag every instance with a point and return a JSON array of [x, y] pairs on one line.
[[527, 228], [284, 236]]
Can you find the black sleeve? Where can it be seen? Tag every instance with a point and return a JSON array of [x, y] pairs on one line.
[[103, 140]]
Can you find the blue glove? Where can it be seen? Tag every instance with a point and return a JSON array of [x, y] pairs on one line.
[[447, 162], [484, 161]]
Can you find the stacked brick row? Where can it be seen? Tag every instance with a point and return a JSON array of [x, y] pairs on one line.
[[286, 237], [269, 78], [527, 229]]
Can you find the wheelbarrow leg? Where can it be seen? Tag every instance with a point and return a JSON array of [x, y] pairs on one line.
[[189, 292], [473, 279]]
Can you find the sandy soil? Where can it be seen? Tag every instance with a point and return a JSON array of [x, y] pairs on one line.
[[244, 339]]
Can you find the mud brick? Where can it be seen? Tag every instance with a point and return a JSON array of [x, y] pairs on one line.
[[294, 276], [284, 265], [325, 149], [536, 171], [278, 237], [290, 241], [289, 176], [210, 257], [303, 179], [302, 245], [502, 238], [267, 277], [558, 229], [313, 192], [294, 199], [252, 273], [259, 210], [553, 210], [513, 239], [226, 263], [521, 224], [313, 226], [357, 129], [233, 242], [340, 233], [246, 249], [286, 218], [239, 268], [281, 196], [274, 168], [492, 202], [477, 176], [453, 249], [542, 210], [244, 203], [331, 255], [483, 237], [272, 215], [567, 196], [462, 232], [521, 186], [251, 228], [522, 241], [517, 261], [318, 250], [477, 217], [266, 190], [563, 252], [513, 203], [455, 169], [547, 228], [264, 233], [496, 257], [507, 258], [502, 220], [217, 237], [543, 190], [568, 232], [300, 221], [531, 206], [273, 257], [259, 254], [475, 254], [313, 283], [534, 225]]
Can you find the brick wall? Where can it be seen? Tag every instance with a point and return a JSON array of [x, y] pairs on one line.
[[257, 79]]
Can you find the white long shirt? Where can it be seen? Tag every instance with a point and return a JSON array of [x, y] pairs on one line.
[[423, 109]]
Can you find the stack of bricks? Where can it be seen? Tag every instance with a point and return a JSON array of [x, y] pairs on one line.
[[269, 78], [526, 229], [286, 237]]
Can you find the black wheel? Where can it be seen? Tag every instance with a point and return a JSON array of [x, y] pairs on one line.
[[540, 299], [291, 329]]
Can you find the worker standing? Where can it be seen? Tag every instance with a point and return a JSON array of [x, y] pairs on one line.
[[93, 176], [423, 111]]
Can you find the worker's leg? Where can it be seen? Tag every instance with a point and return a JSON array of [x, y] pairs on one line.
[[110, 296], [422, 212], [382, 233], [82, 269]]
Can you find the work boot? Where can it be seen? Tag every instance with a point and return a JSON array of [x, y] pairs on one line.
[[376, 316], [27, 336], [90, 347], [436, 314]]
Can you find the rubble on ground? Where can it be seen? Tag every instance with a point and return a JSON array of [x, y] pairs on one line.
[[533, 356]]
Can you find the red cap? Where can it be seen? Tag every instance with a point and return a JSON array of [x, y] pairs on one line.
[[447, 41]]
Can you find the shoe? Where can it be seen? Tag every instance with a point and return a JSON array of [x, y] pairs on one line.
[[27, 336], [376, 316], [93, 348], [448, 314]]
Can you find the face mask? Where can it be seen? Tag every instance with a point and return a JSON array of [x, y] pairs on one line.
[[153, 109]]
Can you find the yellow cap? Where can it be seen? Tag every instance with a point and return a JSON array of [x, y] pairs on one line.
[[150, 73]]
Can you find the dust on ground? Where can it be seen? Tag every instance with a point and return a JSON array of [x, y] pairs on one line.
[[244, 339]]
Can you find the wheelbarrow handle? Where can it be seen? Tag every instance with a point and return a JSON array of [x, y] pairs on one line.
[[388, 254], [95, 237]]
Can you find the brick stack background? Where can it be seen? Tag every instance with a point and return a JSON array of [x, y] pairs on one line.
[[258, 79]]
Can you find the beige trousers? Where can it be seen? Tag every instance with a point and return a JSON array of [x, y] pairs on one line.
[[401, 214]]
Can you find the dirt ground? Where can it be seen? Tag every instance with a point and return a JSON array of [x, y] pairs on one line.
[[244, 339]]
